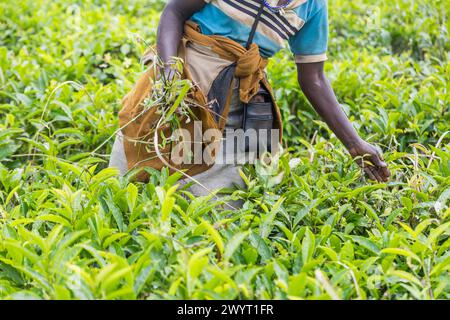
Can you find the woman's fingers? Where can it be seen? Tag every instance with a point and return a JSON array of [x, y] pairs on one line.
[[374, 166], [381, 166], [377, 160], [369, 173], [384, 172], [376, 173]]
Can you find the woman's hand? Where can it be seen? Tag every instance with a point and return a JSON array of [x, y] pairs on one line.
[[168, 72], [370, 160]]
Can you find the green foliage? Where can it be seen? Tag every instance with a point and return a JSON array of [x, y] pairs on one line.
[[311, 226]]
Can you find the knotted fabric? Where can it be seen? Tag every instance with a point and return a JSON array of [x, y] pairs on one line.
[[250, 65]]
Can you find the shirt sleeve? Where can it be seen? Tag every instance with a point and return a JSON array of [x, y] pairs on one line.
[[309, 44]]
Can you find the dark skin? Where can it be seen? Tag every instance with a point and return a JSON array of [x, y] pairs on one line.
[[311, 78]]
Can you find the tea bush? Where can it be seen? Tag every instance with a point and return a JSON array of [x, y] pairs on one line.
[[311, 227]]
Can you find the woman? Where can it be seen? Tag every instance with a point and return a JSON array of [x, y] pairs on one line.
[[219, 35]]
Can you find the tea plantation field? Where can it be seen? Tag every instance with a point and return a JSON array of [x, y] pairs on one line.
[[312, 226]]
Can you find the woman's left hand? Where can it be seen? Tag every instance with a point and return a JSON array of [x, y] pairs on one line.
[[370, 160]]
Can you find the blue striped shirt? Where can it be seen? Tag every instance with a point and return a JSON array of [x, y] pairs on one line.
[[303, 24]]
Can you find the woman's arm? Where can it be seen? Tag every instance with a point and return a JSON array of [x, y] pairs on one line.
[[171, 25], [317, 89]]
